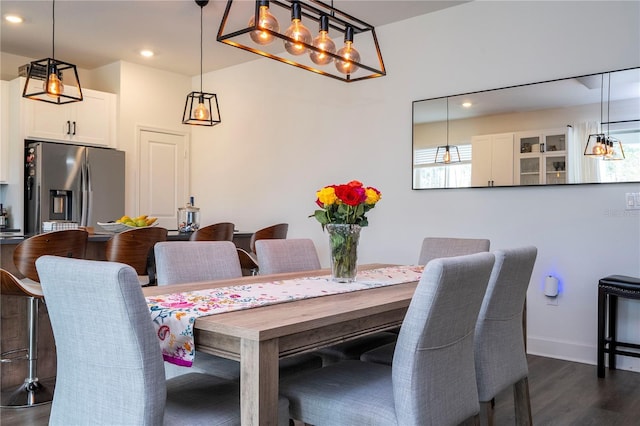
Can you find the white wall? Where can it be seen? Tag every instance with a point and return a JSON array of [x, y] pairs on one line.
[[148, 98], [286, 132]]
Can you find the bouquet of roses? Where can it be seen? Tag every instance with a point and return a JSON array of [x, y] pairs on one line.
[[346, 203]]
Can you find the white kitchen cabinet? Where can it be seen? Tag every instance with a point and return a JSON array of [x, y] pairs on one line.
[[91, 121], [541, 157], [492, 160], [4, 131]]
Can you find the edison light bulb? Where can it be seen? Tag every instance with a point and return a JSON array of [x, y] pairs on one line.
[[297, 32], [201, 112], [265, 21], [610, 152], [53, 85], [324, 43], [599, 148], [349, 54], [447, 155]]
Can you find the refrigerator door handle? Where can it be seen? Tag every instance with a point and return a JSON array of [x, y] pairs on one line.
[[89, 211], [84, 196]]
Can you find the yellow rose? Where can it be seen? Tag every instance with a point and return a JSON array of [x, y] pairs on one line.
[[373, 195], [327, 196]]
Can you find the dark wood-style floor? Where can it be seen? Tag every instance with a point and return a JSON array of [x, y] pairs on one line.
[[562, 393]]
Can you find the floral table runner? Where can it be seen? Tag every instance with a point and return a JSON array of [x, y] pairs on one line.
[[174, 314]]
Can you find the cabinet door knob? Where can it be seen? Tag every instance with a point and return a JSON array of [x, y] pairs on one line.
[[68, 127], [74, 128]]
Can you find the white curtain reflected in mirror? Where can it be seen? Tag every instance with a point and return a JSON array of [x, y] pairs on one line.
[[586, 169]]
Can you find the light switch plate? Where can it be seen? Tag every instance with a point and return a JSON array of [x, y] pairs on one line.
[[632, 201]]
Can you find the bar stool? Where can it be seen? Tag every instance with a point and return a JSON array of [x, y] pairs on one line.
[[135, 248], [222, 231], [249, 260], [67, 243], [609, 289]]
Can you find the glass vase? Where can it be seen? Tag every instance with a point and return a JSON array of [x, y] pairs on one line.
[[343, 242]]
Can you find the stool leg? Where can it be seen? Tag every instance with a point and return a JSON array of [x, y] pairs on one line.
[[602, 304], [32, 392], [613, 317]]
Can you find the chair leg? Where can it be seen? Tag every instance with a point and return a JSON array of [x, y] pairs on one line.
[[613, 315], [486, 412], [522, 402], [32, 391], [602, 303]]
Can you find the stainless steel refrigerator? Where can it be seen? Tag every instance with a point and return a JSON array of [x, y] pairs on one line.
[[73, 183]]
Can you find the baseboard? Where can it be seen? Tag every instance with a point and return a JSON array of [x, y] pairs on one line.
[[576, 352]]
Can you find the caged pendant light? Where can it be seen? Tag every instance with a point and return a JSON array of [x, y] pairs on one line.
[[256, 27], [445, 156], [51, 80], [601, 145], [198, 108]]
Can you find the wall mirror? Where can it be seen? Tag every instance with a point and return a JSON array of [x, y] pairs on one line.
[[532, 134]]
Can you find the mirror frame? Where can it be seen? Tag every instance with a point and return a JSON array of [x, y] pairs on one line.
[[599, 97]]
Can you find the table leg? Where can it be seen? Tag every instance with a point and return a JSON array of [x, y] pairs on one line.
[[259, 382]]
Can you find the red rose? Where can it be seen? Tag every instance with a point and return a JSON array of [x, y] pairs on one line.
[[351, 195]]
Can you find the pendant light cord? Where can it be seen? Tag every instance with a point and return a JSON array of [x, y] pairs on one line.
[[201, 7], [53, 30], [447, 121], [608, 103]]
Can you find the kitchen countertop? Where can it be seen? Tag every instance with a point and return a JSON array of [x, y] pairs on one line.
[[18, 237]]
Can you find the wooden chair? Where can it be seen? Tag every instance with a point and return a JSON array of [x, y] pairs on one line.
[[222, 231], [66, 243], [249, 260], [110, 367], [135, 248]]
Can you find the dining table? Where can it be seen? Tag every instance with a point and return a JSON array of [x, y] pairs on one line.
[[260, 336]]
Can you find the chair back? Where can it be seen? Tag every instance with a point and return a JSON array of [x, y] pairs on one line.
[[66, 243], [107, 349], [192, 261], [499, 342], [292, 255], [433, 370], [433, 248], [133, 247], [222, 231], [278, 231]]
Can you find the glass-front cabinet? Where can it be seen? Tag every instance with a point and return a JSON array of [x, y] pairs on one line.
[[541, 157]]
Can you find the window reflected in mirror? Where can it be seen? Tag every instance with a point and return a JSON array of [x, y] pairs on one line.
[[533, 134]]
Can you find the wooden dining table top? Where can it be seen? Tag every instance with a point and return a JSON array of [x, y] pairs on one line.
[[258, 337]]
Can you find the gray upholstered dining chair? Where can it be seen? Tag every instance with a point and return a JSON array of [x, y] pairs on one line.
[[500, 355], [433, 381], [286, 255], [180, 262], [192, 261], [435, 247], [109, 360], [432, 248]]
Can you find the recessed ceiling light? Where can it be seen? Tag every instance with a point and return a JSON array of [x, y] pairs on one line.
[[14, 19], [467, 104], [146, 53]]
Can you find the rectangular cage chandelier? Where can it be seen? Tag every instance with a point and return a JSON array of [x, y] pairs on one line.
[[310, 35]]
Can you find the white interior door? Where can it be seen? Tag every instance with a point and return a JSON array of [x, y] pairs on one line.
[[163, 171]]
